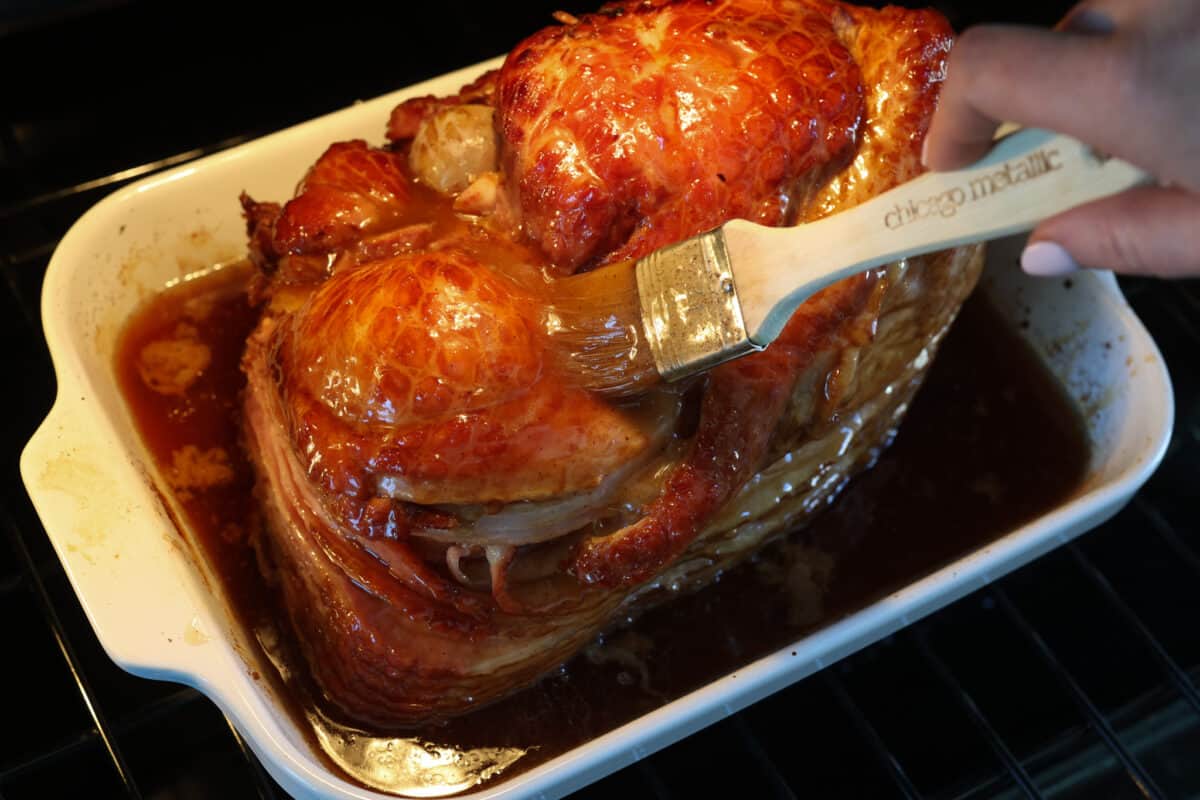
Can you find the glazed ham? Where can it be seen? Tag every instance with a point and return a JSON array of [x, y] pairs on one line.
[[448, 515], [694, 115]]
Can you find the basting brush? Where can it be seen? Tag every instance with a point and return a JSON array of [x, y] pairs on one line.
[[723, 294]]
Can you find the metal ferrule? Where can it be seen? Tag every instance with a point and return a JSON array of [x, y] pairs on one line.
[[690, 310]]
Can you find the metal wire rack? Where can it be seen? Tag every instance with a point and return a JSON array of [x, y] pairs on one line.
[[1074, 677]]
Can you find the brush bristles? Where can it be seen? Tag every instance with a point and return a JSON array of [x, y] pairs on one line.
[[595, 319]]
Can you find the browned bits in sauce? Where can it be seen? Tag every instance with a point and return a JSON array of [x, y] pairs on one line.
[[193, 468], [171, 366], [989, 443]]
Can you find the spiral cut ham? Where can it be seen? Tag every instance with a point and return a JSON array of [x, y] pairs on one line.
[[448, 516]]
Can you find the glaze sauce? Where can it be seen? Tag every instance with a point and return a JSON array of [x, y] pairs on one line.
[[989, 443]]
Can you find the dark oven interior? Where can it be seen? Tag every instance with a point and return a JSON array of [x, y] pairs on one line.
[[1074, 677]]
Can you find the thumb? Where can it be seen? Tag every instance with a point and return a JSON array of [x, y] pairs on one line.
[[1150, 230]]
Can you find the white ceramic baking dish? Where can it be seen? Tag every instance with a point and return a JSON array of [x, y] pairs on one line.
[[156, 610]]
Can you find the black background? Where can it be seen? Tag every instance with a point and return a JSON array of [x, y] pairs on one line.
[[115, 86], [1074, 677]]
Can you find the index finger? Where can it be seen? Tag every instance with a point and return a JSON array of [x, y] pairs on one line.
[[1064, 81]]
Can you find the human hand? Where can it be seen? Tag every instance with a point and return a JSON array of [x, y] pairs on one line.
[[1121, 75]]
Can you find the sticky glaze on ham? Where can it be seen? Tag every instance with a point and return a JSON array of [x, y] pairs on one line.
[[447, 515]]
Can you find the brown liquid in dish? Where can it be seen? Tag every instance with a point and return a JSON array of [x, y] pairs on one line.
[[989, 443]]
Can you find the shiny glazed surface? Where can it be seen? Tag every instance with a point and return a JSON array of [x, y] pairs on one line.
[[445, 515]]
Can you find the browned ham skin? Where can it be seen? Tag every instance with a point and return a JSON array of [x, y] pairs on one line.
[[402, 385]]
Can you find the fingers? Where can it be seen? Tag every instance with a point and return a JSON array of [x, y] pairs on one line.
[[1038, 78], [1145, 231], [1117, 74]]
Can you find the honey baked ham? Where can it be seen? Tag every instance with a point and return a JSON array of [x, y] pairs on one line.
[[448, 516]]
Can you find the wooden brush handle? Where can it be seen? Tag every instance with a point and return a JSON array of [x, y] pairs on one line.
[[1028, 176]]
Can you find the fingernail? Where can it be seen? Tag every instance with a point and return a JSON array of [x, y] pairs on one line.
[[925, 153], [1088, 20], [1047, 259]]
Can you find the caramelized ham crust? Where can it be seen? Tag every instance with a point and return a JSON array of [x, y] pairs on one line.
[[447, 515], [693, 115], [425, 378]]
